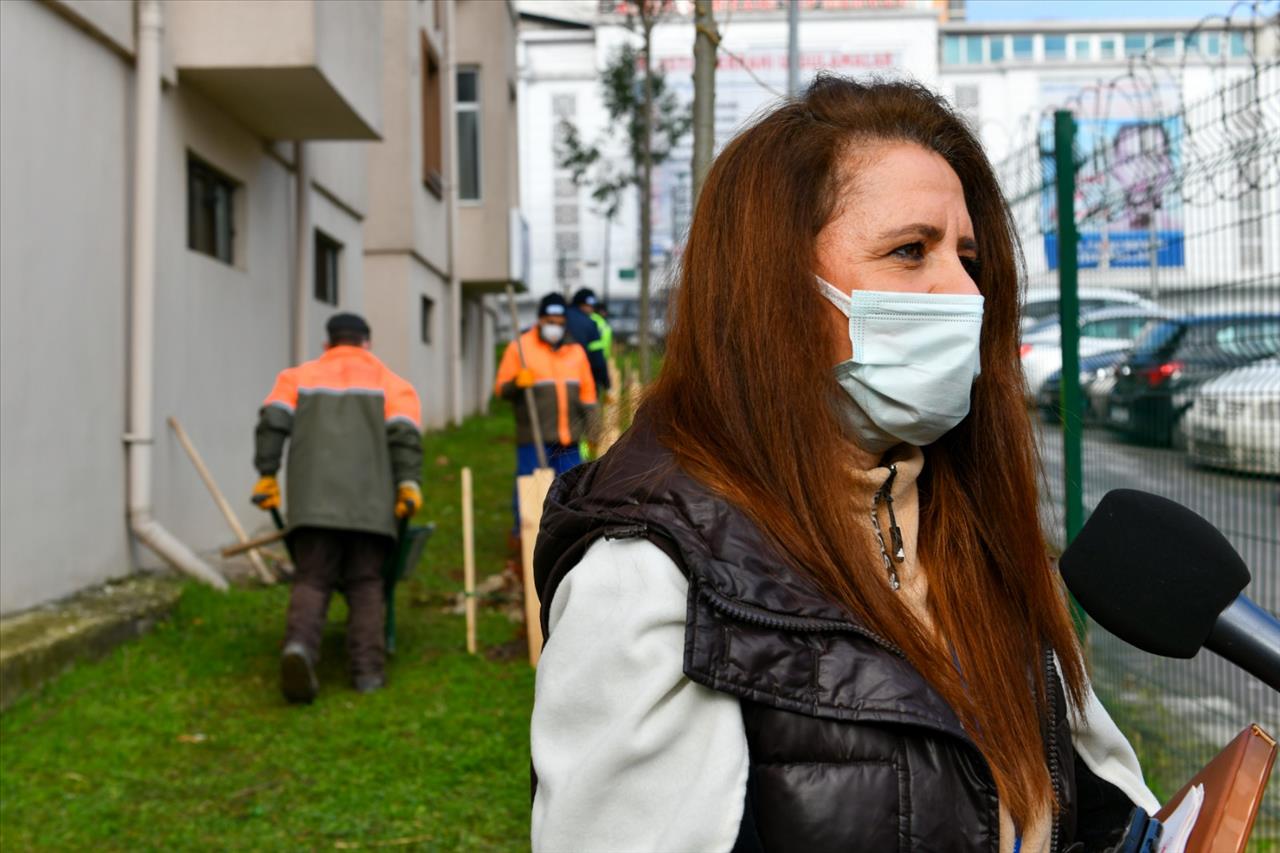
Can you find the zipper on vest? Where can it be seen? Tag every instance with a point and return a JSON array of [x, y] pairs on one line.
[[745, 613], [885, 494], [626, 531], [1050, 689]]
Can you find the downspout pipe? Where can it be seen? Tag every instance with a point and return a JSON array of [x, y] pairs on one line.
[[140, 440], [451, 200], [302, 250]]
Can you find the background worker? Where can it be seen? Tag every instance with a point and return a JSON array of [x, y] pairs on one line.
[[585, 331], [355, 461], [564, 391], [585, 301]]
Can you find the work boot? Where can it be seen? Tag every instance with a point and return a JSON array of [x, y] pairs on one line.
[[369, 682], [298, 674]]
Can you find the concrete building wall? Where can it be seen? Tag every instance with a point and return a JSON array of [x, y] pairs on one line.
[[63, 264], [223, 329]]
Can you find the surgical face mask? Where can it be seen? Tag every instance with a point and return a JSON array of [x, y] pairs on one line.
[[915, 356], [552, 333]]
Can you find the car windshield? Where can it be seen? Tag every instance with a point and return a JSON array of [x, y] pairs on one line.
[[1155, 336], [1116, 328], [1243, 338]]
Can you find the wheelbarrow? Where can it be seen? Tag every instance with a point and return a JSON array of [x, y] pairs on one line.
[[405, 554]]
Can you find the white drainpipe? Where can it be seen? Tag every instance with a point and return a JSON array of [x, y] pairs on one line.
[[302, 249], [451, 212], [139, 440]]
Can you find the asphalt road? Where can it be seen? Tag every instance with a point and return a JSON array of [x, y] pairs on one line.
[[1204, 698]]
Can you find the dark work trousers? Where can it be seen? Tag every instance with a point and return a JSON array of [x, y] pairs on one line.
[[349, 561]]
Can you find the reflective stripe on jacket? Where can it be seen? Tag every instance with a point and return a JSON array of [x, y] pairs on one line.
[[564, 390], [354, 432]]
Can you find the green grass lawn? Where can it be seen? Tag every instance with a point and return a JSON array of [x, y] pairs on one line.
[[180, 740]]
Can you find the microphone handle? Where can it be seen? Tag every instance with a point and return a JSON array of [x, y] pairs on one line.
[[1249, 637]]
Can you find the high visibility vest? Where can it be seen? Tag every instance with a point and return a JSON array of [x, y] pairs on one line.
[[605, 342]]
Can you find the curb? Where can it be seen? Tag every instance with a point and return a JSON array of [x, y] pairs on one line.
[[38, 645]]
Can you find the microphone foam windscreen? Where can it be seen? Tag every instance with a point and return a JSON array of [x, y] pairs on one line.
[[1153, 572]]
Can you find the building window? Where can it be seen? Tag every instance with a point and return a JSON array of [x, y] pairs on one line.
[[468, 107], [1166, 44], [1055, 48], [1082, 47], [328, 254], [1023, 48], [995, 48], [432, 130], [1107, 48], [1237, 43], [951, 50], [210, 211], [1135, 44], [426, 318], [973, 50]]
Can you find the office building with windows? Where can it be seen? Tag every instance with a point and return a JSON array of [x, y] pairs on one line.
[[1004, 77]]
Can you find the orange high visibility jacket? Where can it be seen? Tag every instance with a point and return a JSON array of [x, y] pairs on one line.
[[353, 428], [564, 390]]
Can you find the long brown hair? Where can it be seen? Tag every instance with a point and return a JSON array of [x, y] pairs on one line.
[[744, 402]]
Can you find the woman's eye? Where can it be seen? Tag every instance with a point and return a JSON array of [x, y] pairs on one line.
[[910, 252], [972, 266]]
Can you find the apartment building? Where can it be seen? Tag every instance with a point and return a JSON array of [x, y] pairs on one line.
[[189, 190]]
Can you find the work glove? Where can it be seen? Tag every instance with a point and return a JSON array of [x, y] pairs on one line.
[[524, 379], [408, 499], [266, 493]]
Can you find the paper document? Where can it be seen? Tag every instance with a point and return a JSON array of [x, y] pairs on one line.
[[1177, 829]]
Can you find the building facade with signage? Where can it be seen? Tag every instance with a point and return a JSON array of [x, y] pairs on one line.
[[1005, 78]]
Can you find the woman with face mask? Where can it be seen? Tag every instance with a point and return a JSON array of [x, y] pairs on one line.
[[805, 602]]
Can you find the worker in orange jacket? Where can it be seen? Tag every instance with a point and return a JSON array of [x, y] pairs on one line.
[[564, 392], [353, 430]]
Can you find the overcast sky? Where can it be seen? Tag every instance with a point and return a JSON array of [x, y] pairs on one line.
[[1093, 10]]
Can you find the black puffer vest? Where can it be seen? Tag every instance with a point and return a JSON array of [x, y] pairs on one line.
[[849, 748]]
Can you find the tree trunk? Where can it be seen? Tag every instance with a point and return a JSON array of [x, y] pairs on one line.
[[604, 277], [646, 183], [704, 92]]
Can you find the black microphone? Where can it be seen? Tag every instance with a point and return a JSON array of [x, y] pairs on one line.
[[1162, 578]]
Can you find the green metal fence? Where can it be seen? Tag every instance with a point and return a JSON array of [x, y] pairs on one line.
[[1151, 345]]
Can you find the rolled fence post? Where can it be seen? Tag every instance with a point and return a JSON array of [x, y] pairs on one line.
[[1064, 127], [469, 560]]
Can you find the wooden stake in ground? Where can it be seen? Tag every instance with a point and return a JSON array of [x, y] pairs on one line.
[[469, 560], [234, 523], [531, 491]]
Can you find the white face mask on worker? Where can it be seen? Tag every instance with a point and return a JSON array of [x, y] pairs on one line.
[[552, 333]]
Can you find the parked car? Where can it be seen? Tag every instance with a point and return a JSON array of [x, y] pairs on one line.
[[1101, 330], [1041, 303], [1094, 369], [1173, 358], [624, 317], [1234, 420]]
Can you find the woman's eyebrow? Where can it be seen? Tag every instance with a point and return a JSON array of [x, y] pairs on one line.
[[967, 244], [915, 229]]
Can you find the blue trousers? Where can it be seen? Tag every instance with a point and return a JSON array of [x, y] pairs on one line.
[[559, 458]]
